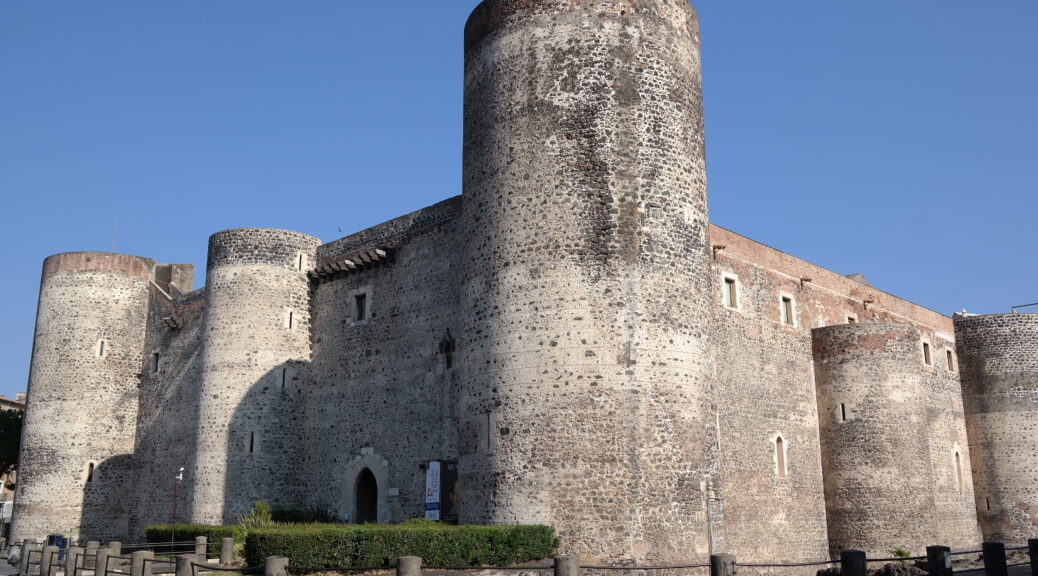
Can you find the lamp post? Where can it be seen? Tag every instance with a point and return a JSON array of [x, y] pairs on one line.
[[178, 477]]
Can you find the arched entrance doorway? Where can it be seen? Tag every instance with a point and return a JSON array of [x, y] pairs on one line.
[[367, 498]]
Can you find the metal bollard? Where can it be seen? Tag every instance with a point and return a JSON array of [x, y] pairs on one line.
[[138, 566], [938, 561], [564, 566], [48, 560], [184, 562], [226, 551], [722, 565], [200, 549], [409, 566], [72, 560], [101, 561], [275, 566], [1032, 551], [995, 559], [852, 562]]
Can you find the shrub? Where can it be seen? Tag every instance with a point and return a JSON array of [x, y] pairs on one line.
[[331, 546], [258, 517], [308, 515], [161, 533]]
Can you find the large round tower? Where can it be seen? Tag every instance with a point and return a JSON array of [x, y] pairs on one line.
[[585, 400], [998, 359], [875, 449], [81, 407], [256, 339]]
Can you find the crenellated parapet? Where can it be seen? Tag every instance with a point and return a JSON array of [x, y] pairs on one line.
[[998, 359]]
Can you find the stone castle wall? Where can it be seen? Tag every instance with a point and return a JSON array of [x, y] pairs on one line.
[[594, 354], [585, 389], [81, 406], [998, 356]]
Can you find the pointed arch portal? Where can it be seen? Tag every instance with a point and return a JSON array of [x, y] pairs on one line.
[[367, 498]]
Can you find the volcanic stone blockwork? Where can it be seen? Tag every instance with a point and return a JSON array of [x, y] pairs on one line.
[[383, 389], [586, 278], [81, 405], [882, 487], [999, 360], [256, 336]]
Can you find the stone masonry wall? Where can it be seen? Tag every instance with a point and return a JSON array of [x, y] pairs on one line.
[[81, 408], [382, 391], [167, 418], [256, 343], [758, 358], [875, 446], [585, 387], [998, 356]]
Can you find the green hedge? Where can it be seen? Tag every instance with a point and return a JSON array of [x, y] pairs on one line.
[[187, 532], [329, 546]]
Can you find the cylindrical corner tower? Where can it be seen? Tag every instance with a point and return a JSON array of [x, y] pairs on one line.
[[585, 400], [875, 448], [998, 360], [256, 335], [81, 408]]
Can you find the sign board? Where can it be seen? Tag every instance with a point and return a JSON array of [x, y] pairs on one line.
[[441, 491]]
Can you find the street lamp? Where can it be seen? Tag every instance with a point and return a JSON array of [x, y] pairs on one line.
[[178, 477]]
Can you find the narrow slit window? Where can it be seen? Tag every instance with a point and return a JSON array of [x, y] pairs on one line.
[[951, 361], [291, 320], [987, 503], [102, 348], [731, 295], [361, 301], [958, 472], [843, 412], [154, 362], [252, 442], [787, 310], [780, 457], [852, 320], [926, 354], [284, 377], [90, 472], [300, 261]]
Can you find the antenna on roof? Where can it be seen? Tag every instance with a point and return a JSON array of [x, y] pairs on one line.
[[1023, 306]]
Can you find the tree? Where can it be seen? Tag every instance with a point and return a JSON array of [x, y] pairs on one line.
[[10, 438]]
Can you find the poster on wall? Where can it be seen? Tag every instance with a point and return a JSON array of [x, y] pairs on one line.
[[432, 491], [441, 491]]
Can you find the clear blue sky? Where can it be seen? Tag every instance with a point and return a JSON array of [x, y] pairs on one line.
[[892, 138]]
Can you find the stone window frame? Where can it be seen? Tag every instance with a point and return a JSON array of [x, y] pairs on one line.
[[102, 348], [90, 472], [302, 262], [926, 353], [153, 361], [725, 277], [844, 412], [852, 318], [793, 321], [368, 293], [951, 360], [783, 473]]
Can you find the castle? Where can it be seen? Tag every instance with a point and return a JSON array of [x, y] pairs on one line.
[[570, 334]]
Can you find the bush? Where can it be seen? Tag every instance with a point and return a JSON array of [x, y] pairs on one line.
[[331, 546], [161, 533], [258, 517], [309, 515]]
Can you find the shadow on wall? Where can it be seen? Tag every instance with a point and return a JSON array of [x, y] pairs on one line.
[[265, 461], [106, 486]]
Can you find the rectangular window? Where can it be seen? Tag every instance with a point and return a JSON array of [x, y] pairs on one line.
[[731, 294], [154, 362], [926, 354], [301, 262], [843, 412], [787, 310], [361, 301], [852, 320], [291, 320], [951, 361]]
